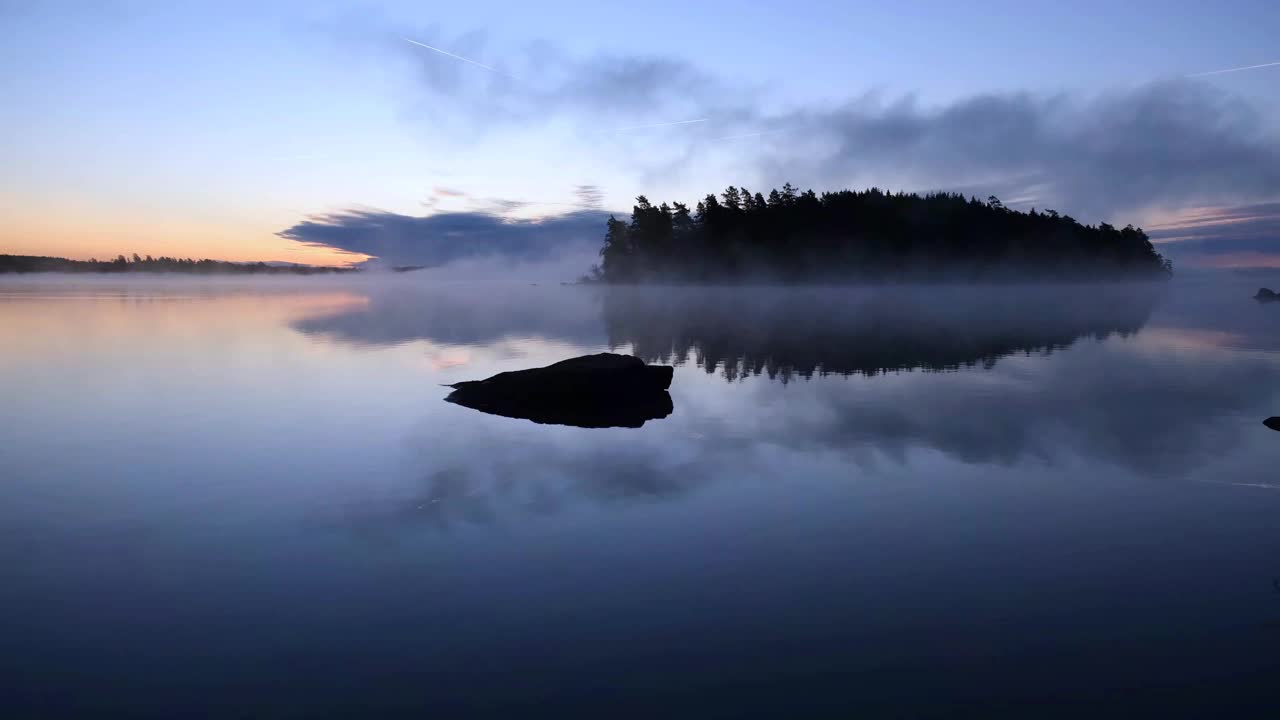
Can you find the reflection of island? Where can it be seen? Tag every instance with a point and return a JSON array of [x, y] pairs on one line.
[[778, 332], [784, 333]]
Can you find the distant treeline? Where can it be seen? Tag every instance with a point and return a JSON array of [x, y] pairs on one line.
[[871, 235], [121, 264]]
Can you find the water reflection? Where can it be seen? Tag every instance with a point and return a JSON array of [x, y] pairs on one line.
[[785, 333], [461, 316], [998, 386], [778, 332], [531, 478], [244, 478]]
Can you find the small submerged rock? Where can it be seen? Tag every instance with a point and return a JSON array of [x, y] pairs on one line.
[[594, 391], [1266, 295]]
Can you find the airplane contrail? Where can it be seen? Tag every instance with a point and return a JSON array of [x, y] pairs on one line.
[[459, 57], [658, 125], [1231, 70]]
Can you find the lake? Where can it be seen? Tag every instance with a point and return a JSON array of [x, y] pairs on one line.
[[247, 498]]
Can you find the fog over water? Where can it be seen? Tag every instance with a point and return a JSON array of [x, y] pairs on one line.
[[249, 493]]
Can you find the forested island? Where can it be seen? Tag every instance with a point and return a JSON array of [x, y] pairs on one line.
[[866, 236], [136, 263]]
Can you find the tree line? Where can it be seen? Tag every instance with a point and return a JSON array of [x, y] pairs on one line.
[[162, 264], [870, 235]]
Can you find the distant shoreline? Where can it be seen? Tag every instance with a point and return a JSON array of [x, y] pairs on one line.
[[31, 264]]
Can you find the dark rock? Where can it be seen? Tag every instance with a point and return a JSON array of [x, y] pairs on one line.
[[1266, 295], [1273, 423], [594, 391]]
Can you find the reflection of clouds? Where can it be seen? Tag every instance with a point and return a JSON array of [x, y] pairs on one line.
[[112, 316], [536, 476], [448, 358], [1101, 402], [1194, 340], [1047, 377], [1222, 303], [463, 315], [1099, 408]]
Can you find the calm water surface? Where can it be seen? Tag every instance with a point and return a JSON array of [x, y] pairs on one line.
[[247, 499]]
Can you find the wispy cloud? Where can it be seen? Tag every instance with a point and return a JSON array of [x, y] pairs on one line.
[[463, 59], [589, 196], [1097, 156], [658, 125], [1235, 69], [743, 136], [1247, 235], [1111, 155]]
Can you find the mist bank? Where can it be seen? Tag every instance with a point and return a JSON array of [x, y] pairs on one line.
[[865, 236]]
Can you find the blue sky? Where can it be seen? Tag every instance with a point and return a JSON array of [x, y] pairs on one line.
[[209, 128]]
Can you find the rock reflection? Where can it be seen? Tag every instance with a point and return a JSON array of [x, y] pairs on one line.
[[631, 412]]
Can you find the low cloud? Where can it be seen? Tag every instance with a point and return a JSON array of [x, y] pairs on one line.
[[440, 239]]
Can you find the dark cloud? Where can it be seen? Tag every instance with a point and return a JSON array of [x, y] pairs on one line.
[[500, 206], [1164, 144], [436, 240], [589, 196]]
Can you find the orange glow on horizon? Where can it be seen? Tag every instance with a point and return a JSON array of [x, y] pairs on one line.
[[1226, 261], [83, 233]]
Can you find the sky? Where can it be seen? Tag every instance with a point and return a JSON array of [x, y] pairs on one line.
[[327, 132]]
